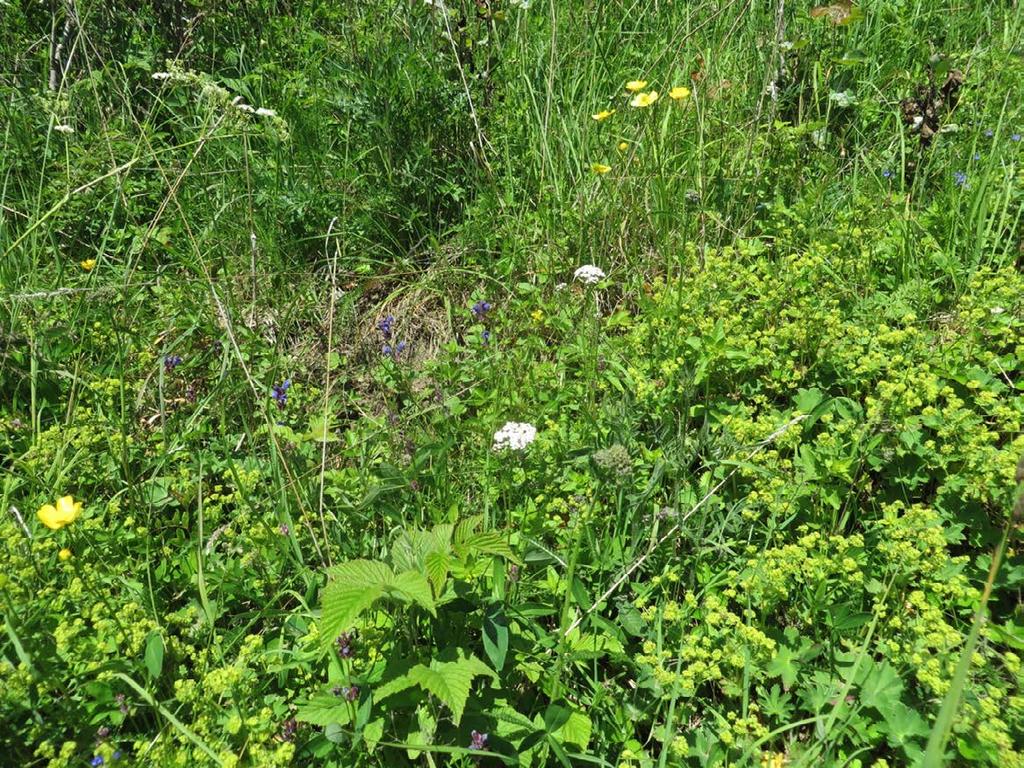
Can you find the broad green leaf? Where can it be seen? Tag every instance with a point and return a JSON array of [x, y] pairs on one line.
[[575, 730], [413, 587], [154, 654], [352, 587], [784, 665], [882, 688], [450, 681], [495, 635], [324, 709], [437, 565]]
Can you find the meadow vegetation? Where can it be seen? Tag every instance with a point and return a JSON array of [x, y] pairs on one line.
[[511, 383]]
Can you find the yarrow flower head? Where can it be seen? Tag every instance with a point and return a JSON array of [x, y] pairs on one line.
[[480, 309], [514, 436], [589, 274], [280, 392], [64, 512], [477, 741]]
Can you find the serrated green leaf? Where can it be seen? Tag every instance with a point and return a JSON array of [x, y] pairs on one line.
[[437, 565], [413, 587], [466, 529], [352, 587], [575, 730], [450, 681]]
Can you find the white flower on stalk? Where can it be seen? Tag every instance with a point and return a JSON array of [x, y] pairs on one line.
[[161, 75], [264, 112], [589, 274], [63, 129], [514, 436]]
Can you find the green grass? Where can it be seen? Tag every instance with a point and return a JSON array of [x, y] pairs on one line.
[[766, 519]]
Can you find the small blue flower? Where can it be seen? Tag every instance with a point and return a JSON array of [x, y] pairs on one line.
[[280, 393], [886, 174], [480, 309], [485, 336], [989, 133], [1015, 137], [959, 178], [98, 760], [977, 156], [393, 351], [171, 362], [385, 326], [116, 755]]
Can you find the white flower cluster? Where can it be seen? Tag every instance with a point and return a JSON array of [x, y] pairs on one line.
[[514, 436], [63, 128], [589, 274]]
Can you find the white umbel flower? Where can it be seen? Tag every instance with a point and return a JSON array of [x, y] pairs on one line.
[[63, 129], [161, 75], [514, 436], [264, 112], [589, 274]]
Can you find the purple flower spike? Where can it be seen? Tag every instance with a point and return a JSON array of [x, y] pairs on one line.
[[478, 740], [280, 393]]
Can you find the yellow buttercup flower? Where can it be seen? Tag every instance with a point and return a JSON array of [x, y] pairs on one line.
[[604, 114], [623, 146], [644, 99], [636, 85], [679, 92], [64, 554], [65, 512], [600, 168], [537, 315], [88, 264]]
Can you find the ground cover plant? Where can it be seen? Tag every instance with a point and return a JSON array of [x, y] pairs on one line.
[[492, 383]]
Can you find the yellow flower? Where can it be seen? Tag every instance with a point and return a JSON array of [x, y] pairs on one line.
[[56, 517], [679, 92], [623, 146], [537, 315], [88, 264], [644, 99], [636, 85], [604, 114], [64, 554], [600, 168]]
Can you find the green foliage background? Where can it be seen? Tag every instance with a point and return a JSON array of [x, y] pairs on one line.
[[776, 448]]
